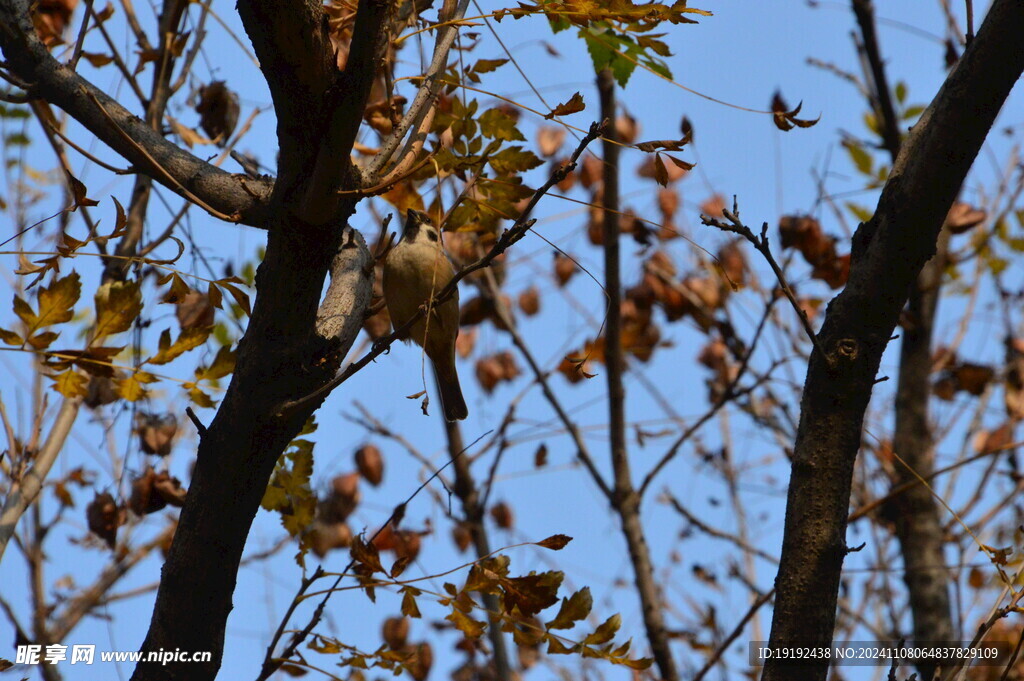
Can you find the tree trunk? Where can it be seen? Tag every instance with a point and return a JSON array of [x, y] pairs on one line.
[[888, 255]]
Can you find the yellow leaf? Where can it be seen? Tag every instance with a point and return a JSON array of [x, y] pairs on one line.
[[41, 341], [199, 398], [188, 339], [573, 609], [132, 387], [118, 303], [605, 632], [70, 383], [10, 337], [56, 303], [223, 364], [555, 647]]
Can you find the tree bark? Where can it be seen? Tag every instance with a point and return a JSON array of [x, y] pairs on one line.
[[279, 357], [888, 254], [915, 514]]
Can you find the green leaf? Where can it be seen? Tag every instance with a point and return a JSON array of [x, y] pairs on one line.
[[513, 160], [901, 92]]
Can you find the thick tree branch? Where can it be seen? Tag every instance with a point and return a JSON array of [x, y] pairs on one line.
[[888, 254], [345, 104], [241, 198], [292, 44], [915, 514]]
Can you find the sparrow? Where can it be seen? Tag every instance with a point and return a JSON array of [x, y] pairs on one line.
[[415, 271]]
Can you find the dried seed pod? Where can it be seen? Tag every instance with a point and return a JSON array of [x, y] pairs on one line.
[[103, 518], [370, 463], [218, 111]]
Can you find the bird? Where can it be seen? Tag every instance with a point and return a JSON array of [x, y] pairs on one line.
[[415, 271]]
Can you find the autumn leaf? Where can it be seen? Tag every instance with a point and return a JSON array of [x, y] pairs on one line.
[[555, 542], [366, 554], [409, 605], [786, 120], [187, 340], [471, 628], [605, 632], [240, 296], [223, 364], [78, 192], [56, 304], [71, 384], [574, 609], [556, 647], [496, 124], [531, 593], [132, 388], [574, 105], [118, 303]]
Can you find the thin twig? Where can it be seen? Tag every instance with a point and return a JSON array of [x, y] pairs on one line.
[[720, 650], [735, 226], [270, 663]]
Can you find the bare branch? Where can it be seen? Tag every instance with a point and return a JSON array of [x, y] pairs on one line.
[[180, 171], [424, 99], [25, 491]]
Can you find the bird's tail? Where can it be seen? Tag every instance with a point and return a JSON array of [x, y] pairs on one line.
[[452, 402]]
